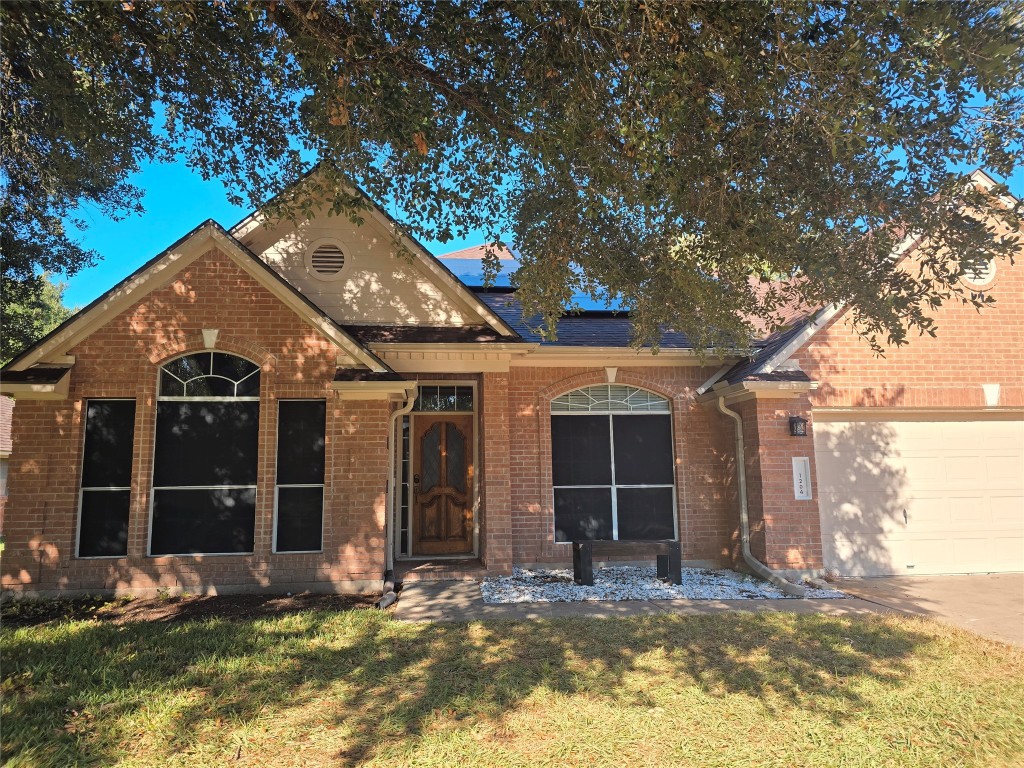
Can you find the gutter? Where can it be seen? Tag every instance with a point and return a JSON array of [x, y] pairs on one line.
[[389, 596], [755, 565]]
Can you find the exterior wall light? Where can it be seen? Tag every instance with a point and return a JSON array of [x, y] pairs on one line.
[[797, 426]]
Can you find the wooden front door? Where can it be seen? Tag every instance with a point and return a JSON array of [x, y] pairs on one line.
[[443, 485]]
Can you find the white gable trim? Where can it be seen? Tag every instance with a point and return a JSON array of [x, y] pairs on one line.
[[208, 235]]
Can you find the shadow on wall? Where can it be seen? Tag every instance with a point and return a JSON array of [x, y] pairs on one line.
[[863, 496], [377, 286], [359, 686]]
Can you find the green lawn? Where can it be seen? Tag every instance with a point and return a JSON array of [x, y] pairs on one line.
[[357, 688]]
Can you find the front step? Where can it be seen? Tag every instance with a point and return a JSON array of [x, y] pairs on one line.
[[439, 570]]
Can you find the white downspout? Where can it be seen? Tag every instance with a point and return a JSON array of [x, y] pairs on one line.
[[390, 496], [756, 565]]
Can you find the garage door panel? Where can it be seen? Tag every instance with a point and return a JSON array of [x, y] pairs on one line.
[[865, 555], [928, 513], [871, 515], [1004, 471], [1002, 435], [921, 467], [943, 555], [1006, 552], [960, 482], [1008, 508]]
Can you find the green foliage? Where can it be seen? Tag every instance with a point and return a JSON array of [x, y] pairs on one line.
[[29, 311], [673, 155]]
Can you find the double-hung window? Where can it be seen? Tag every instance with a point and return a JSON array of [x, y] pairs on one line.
[[106, 478], [299, 512], [205, 462], [612, 464]]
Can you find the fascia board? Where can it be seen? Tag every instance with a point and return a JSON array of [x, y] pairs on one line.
[[410, 346], [25, 391], [748, 390], [162, 269]]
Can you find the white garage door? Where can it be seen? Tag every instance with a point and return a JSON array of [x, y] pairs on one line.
[[913, 496]]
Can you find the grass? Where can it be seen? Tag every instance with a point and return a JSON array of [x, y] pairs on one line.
[[357, 688]]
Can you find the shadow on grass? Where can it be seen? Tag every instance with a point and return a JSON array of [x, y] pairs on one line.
[[73, 692]]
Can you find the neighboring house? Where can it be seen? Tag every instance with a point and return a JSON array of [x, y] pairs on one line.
[[303, 407]]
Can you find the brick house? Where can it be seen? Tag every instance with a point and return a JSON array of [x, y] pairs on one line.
[[305, 406]]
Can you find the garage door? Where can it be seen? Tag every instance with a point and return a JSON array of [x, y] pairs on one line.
[[945, 495]]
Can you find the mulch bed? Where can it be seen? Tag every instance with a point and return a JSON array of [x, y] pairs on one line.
[[29, 612]]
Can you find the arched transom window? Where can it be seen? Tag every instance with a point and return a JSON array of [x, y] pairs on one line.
[[205, 461], [612, 464]]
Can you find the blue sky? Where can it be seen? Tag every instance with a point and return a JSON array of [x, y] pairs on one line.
[[178, 199]]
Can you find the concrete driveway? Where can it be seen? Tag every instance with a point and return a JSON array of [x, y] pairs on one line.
[[991, 604]]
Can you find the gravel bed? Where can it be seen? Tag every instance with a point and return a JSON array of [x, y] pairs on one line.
[[632, 583]]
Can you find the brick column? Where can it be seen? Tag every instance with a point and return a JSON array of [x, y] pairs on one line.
[[496, 513], [785, 532]]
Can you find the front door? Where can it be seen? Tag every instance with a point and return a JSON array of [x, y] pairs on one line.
[[443, 485]]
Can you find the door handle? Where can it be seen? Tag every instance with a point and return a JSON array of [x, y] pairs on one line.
[[416, 479], [906, 520]]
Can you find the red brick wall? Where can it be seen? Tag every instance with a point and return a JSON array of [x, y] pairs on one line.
[[704, 481], [970, 349], [121, 360], [784, 533], [499, 476]]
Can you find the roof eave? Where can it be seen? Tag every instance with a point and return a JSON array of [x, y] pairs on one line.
[[54, 346], [28, 390], [757, 390]]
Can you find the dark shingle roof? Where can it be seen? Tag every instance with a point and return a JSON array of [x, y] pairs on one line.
[[584, 329], [35, 376], [746, 369], [777, 376], [363, 374], [399, 334]]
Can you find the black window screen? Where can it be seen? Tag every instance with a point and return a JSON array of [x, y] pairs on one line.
[[206, 443], [645, 513], [203, 520], [106, 478], [300, 518], [300, 441], [103, 530], [301, 438], [643, 450], [583, 513], [580, 450], [613, 473], [109, 438]]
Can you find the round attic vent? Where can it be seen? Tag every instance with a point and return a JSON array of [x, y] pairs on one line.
[[981, 274], [325, 260]]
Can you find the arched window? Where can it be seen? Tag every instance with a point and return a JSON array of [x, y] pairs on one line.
[[205, 462], [612, 464]]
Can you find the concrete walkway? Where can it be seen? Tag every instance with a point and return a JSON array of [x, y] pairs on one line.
[[992, 605], [461, 601]]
